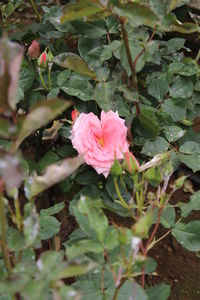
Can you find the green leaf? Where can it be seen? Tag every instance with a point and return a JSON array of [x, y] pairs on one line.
[[30, 224], [75, 63], [41, 114], [19, 95], [158, 88], [159, 8], [87, 177], [148, 124], [96, 217], [80, 9], [174, 45], [173, 133], [49, 226], [156, 146], [34, 290], [153, 176], [192, 161], [141, 227], [90, 29], [62, 77], [69, 292], [171, 23], [26, 79], [111, 238], [49, 158], [53, 174], [88, 290], [53, 93], [74, 268], [82, 247], [81, 89], [190, 147], [193, 204], [127, 291], [188, 235], [149, 263], [137, 14], [181, 88], [15, 239], [175, 110], [104, 93], [53, 210], [167, 217], [13, 286], [4, 297], [135, 49], [184, 69], [159, 292]]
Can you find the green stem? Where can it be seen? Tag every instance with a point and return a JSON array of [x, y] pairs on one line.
[[49, 79], [123, 202], [3, 236], [42, 81], [149, 242], [34, 5]]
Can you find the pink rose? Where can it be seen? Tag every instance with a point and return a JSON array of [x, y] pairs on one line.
[[34, 49], [100, 141]]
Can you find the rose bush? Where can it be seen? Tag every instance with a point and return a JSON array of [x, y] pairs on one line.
[[100, 141]]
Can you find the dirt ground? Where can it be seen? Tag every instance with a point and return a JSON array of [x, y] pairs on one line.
[[177, 266]]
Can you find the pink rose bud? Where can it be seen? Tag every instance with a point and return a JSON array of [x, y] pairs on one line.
[[34, 49], [42, 61], [130, 163], [75, 114]]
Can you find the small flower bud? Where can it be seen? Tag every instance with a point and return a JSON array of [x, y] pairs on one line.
[[180, 181], [130, 163], [42, 61], [116, 168], [34, 49], [75, 114]]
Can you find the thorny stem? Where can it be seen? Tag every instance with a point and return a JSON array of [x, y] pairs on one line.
[[130, 61], [3, 236], [110, 266], [141, 52], [34, 5], [102, 278]]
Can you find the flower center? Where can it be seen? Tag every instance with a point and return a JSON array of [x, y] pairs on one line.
[[100, 141]]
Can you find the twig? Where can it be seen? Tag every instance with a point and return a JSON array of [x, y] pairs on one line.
[[34, 5], [130, 61], [118, 288], [141, 52], [149, 242]]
